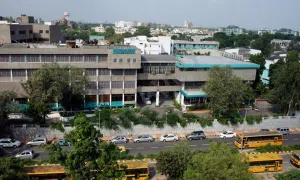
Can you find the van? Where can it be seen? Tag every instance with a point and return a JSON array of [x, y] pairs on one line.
[[284, 131]]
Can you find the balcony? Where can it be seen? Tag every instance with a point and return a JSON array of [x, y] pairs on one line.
[[158, 88], [149, 76]]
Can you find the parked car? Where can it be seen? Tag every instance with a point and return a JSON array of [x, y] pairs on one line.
[[37, 141], [227, 134], [26, 154], [143, 138], [119, 139], [8, 142], [63, 142], [284, 131], [196, 135], [169, 137]]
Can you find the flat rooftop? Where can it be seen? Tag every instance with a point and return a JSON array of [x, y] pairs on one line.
[[195, 42], [159, 59], [210, 61], [262, 133], [264, 157]]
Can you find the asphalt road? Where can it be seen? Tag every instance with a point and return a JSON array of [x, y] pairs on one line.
[[154, 147]]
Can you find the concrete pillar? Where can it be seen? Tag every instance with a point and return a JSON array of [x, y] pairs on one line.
[[182, 100], [123, 99], [26, 74], [157, 99], [56, 104], [97, 87]]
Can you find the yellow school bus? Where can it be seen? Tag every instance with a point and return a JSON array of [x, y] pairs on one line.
[[295, 158], [122, 149], [265, 162], [135, 169], [257, 139]]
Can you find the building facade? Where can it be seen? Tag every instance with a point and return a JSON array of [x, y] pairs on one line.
[[284, 44], [120, 76], [232, 30], [188, 24]]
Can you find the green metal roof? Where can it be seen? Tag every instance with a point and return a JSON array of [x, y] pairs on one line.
[[193, 95], [208, 66]]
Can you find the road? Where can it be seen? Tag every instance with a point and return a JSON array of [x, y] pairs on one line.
[[155, 147]]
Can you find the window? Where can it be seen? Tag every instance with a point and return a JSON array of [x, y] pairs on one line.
[[104, 72], [4, 73], [47, 31], [62, 58], [115, 60], [92, 85], [12, 32], [120, 60], [116, 97], [90, 72], [30, 31], [104, 84], [41, 31], [22, 32], [128, 60], [102, 58], [33, 58], [117, 72], [76, 58], [130, 72], [134, 60], [129, 84], [18, 72], [90, 58], [117, 84], [47, 58], [4, 58], [30, 72]]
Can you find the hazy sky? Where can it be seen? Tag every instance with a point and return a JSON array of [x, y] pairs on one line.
[[252, 14]]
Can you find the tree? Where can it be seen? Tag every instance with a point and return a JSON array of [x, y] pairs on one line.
[[292, 56], [224, 40], [53, 83], [89, 159], [273, 68], [219, 162], [263, 43], [6, 106], [286, 86], [260, 60], [142, 31], [289, 175], [242, 40], [109, 33], [226, 91], [174, 161], [12, 168]]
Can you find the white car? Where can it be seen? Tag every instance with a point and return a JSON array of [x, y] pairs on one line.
[[227, 134], [8, 142], [26, 154], [37, 141], [169, 137]]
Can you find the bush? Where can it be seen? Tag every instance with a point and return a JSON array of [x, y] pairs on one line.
[[177, 105], [270, 148], [152, 156], [197, 107], [139, 156], [58, 126]]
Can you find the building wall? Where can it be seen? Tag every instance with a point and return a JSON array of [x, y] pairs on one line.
[[19, 33], [5, 34]]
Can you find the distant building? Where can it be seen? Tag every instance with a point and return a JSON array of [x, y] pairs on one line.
[[211, 47], [284, 44], [245, 52], [200, 37], [25, 19], [17, 33], [188, 24], [154, 45], [99, 29], [125, 24], [269, 61], [232, 30]]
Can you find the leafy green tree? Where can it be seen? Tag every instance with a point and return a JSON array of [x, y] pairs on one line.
[[106, 119], [263, 43], [109, 32], [292, 56], [88, 159], [174, 161], [7, 106], [37, 111], [289, 175], [224, 40], [57, 154], [226, 91], [260, 60], [294, 45], [142, 31], [53, 83], [12, 168], [149, 117], [286, 86], [273, 68], [242, 40], [219, 162]]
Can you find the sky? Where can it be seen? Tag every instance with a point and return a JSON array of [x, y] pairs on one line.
[[250, 14]]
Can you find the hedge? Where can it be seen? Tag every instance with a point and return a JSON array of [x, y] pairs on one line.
[[271, 148]]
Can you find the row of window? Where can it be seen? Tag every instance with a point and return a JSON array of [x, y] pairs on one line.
[[114, 84], [29, 32], [88, 72], [158, 68], [120, 60], [51, 58]]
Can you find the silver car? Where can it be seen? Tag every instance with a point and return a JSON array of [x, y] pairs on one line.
[[37, 141], [119, 139], [8, 142], [26, 154], [143, 138]]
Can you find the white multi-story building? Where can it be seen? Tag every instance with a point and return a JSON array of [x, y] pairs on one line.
[[154, 45], [232, 30], [188, 24], [125, 24], [99, 29], [243, 51]]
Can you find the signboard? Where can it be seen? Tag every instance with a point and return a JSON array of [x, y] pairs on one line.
[[123, 51]]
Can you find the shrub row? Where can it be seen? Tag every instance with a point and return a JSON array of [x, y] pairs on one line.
[[270, 148]]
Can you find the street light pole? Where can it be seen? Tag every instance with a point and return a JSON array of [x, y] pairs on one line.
[[242, 142]]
